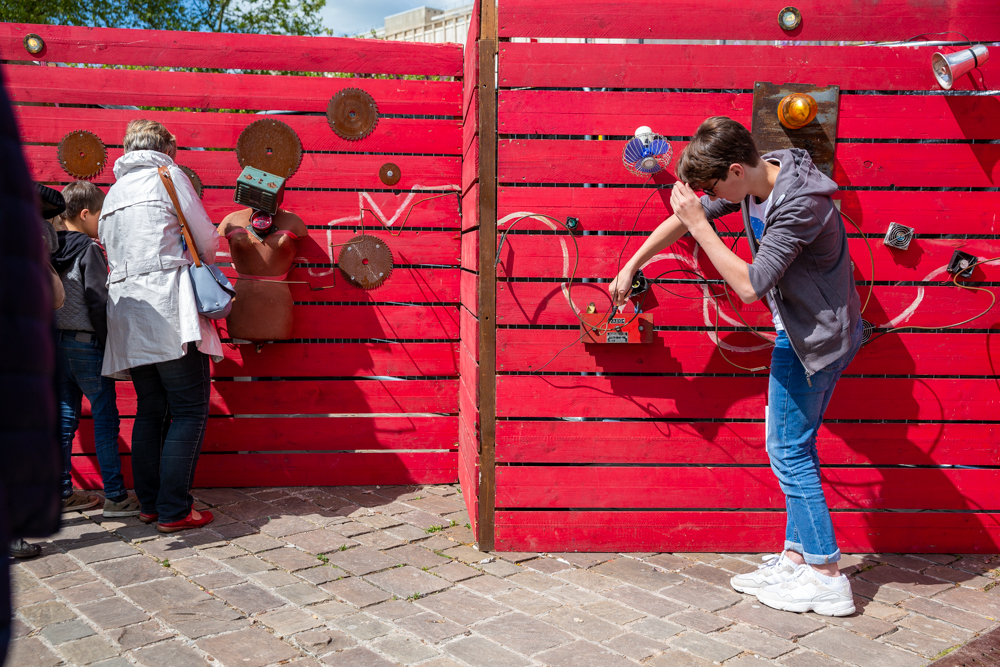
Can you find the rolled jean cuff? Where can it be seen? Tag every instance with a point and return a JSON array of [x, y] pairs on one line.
[[794, 546]]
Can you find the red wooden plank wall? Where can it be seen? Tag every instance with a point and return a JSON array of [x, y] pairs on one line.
[[468, 404], [661, 447], [367, 391]]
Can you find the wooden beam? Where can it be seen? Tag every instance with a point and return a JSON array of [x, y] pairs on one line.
[[487, 274]]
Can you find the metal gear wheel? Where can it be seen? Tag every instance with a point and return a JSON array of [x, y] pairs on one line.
[[271, 146], [82, 154], [194, 178], [352, 114], [365, 261], [389, 174]]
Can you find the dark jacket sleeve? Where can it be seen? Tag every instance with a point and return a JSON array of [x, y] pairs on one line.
[[718, 208], [792, 229], [94, 267]]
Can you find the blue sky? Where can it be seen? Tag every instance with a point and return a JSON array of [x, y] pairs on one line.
[[352, 17]]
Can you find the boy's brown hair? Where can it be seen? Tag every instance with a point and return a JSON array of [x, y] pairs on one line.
[[719, 142], [80, 195]]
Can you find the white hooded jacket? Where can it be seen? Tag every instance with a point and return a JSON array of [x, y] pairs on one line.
[[152, 314]]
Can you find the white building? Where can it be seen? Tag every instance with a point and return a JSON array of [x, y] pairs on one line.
[[426, 24]]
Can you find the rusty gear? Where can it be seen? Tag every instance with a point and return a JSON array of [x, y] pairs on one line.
[[352, 114], [271, 146], [82, 154], [389, 173], [365, 261], [194, 178]]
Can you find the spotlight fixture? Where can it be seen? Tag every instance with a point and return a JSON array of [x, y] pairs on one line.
[[797, 110], [33, 44], [948, 67], [789, 19]]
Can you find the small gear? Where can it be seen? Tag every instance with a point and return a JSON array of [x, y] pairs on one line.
[[352, 114], [365, 261], [389, 173], [194, 178], [82, 154], [271, 146]]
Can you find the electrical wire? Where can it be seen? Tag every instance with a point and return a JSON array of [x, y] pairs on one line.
[[871, 256], [405, 218]]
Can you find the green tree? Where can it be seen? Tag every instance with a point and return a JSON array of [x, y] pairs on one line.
[[280, 17]]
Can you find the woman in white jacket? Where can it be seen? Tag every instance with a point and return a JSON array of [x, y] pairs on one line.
[[154, 329]]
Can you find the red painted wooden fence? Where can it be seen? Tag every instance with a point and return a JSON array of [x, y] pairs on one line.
[[367, 391], [661, 447]]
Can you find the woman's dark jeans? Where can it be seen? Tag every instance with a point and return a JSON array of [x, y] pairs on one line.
[[170, 422]]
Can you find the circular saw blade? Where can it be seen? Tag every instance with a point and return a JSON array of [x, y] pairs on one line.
[[389, 173], [271, 146], [82, 154], [365, 261], [352, 114], [194, 178]]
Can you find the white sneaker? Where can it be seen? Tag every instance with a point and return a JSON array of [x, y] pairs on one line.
[[776, 568], [804, 591]]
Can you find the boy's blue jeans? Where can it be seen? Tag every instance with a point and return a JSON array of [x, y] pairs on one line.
[[795, 412], [80, 375]]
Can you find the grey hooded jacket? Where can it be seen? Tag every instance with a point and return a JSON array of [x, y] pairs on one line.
[[803, 260]]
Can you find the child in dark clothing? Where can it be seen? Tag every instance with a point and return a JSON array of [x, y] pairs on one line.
[[83, 330]]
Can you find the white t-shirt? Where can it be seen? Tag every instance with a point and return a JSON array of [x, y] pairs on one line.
[[758, 214]]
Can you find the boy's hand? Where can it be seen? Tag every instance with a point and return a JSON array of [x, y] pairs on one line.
[[621, 287], [687, 207]]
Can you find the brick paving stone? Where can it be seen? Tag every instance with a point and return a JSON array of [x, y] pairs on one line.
[[465, 554], [972, 600], [901, 561], [547, 565], [488, 585], [138, 534], [405, 650], [462, 606], [289, 620], [60, 581], [257, 543], [430, 626], [701, 595], [523, 634], [959, 577], [353, 529], [582, 624], [501, 568], [202, 619], [320, 541], [320, 575], [584, 560], [362, 626], [77, 530], [302, 594], [393, 609], [878, 610], [700, 621], [883, 594], [248, 648], [806, 658], [331, 610], [101, 549], [274, 578], [667, 561], [947, 613], [407, 532], [131, 570], [636, 646], [934, 628], [232, 530], [917, 642], [31, 652], [636, 573], [441, 543], [355, 591], [783, 624], [48, 566], [644, 601], [911, 582], [421, 519], [528, 602], [362, 560], [87, 593], [480, 652], [710, 574], [46, 613], [114, 662], [219, 579], [679, 658], [940, 559], [747, 639], [249, 564], [356, 657], [162, 594], [656, 628], [863, 625], [168, 547], [321, 642], [976, 563], [459, 533], [515, 556], [87, 651], [455, 571], [417, 556], [847, 646], [245, 511], [249, 599], [734, 565], [169, 654], [283, 526], [113, 613], [380, 521], [215, 497], [574, 597], [197, 565], [587, 579], [140, 634], [581, 654], [704, 647], [290, 558], [534, 580], [379, 540], [701, 557], [60, 633], [613, 612], [406, 581]]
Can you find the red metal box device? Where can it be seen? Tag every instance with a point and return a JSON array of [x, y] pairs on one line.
[[618, 328]]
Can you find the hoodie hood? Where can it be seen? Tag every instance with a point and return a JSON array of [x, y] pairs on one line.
[[71, 246], [140, 160], [799, 177]]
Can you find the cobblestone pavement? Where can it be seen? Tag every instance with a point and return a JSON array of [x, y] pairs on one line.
[[378, 576]]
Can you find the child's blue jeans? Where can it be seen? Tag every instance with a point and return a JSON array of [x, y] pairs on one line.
[[795, 412], [80, 364]]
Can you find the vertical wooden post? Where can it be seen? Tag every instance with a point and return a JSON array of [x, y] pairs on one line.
[[487, 273]]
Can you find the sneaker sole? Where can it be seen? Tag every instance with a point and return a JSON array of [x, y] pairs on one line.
[[749, 590], [81, 508], [843, 608]]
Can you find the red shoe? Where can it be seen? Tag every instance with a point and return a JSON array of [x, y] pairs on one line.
[[148, 518], [186, 522]]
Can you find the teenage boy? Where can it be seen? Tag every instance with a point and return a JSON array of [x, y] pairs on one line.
[[83, 329], [802, 269]]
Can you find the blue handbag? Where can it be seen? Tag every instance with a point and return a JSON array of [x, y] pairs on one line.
[[212, 290]]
